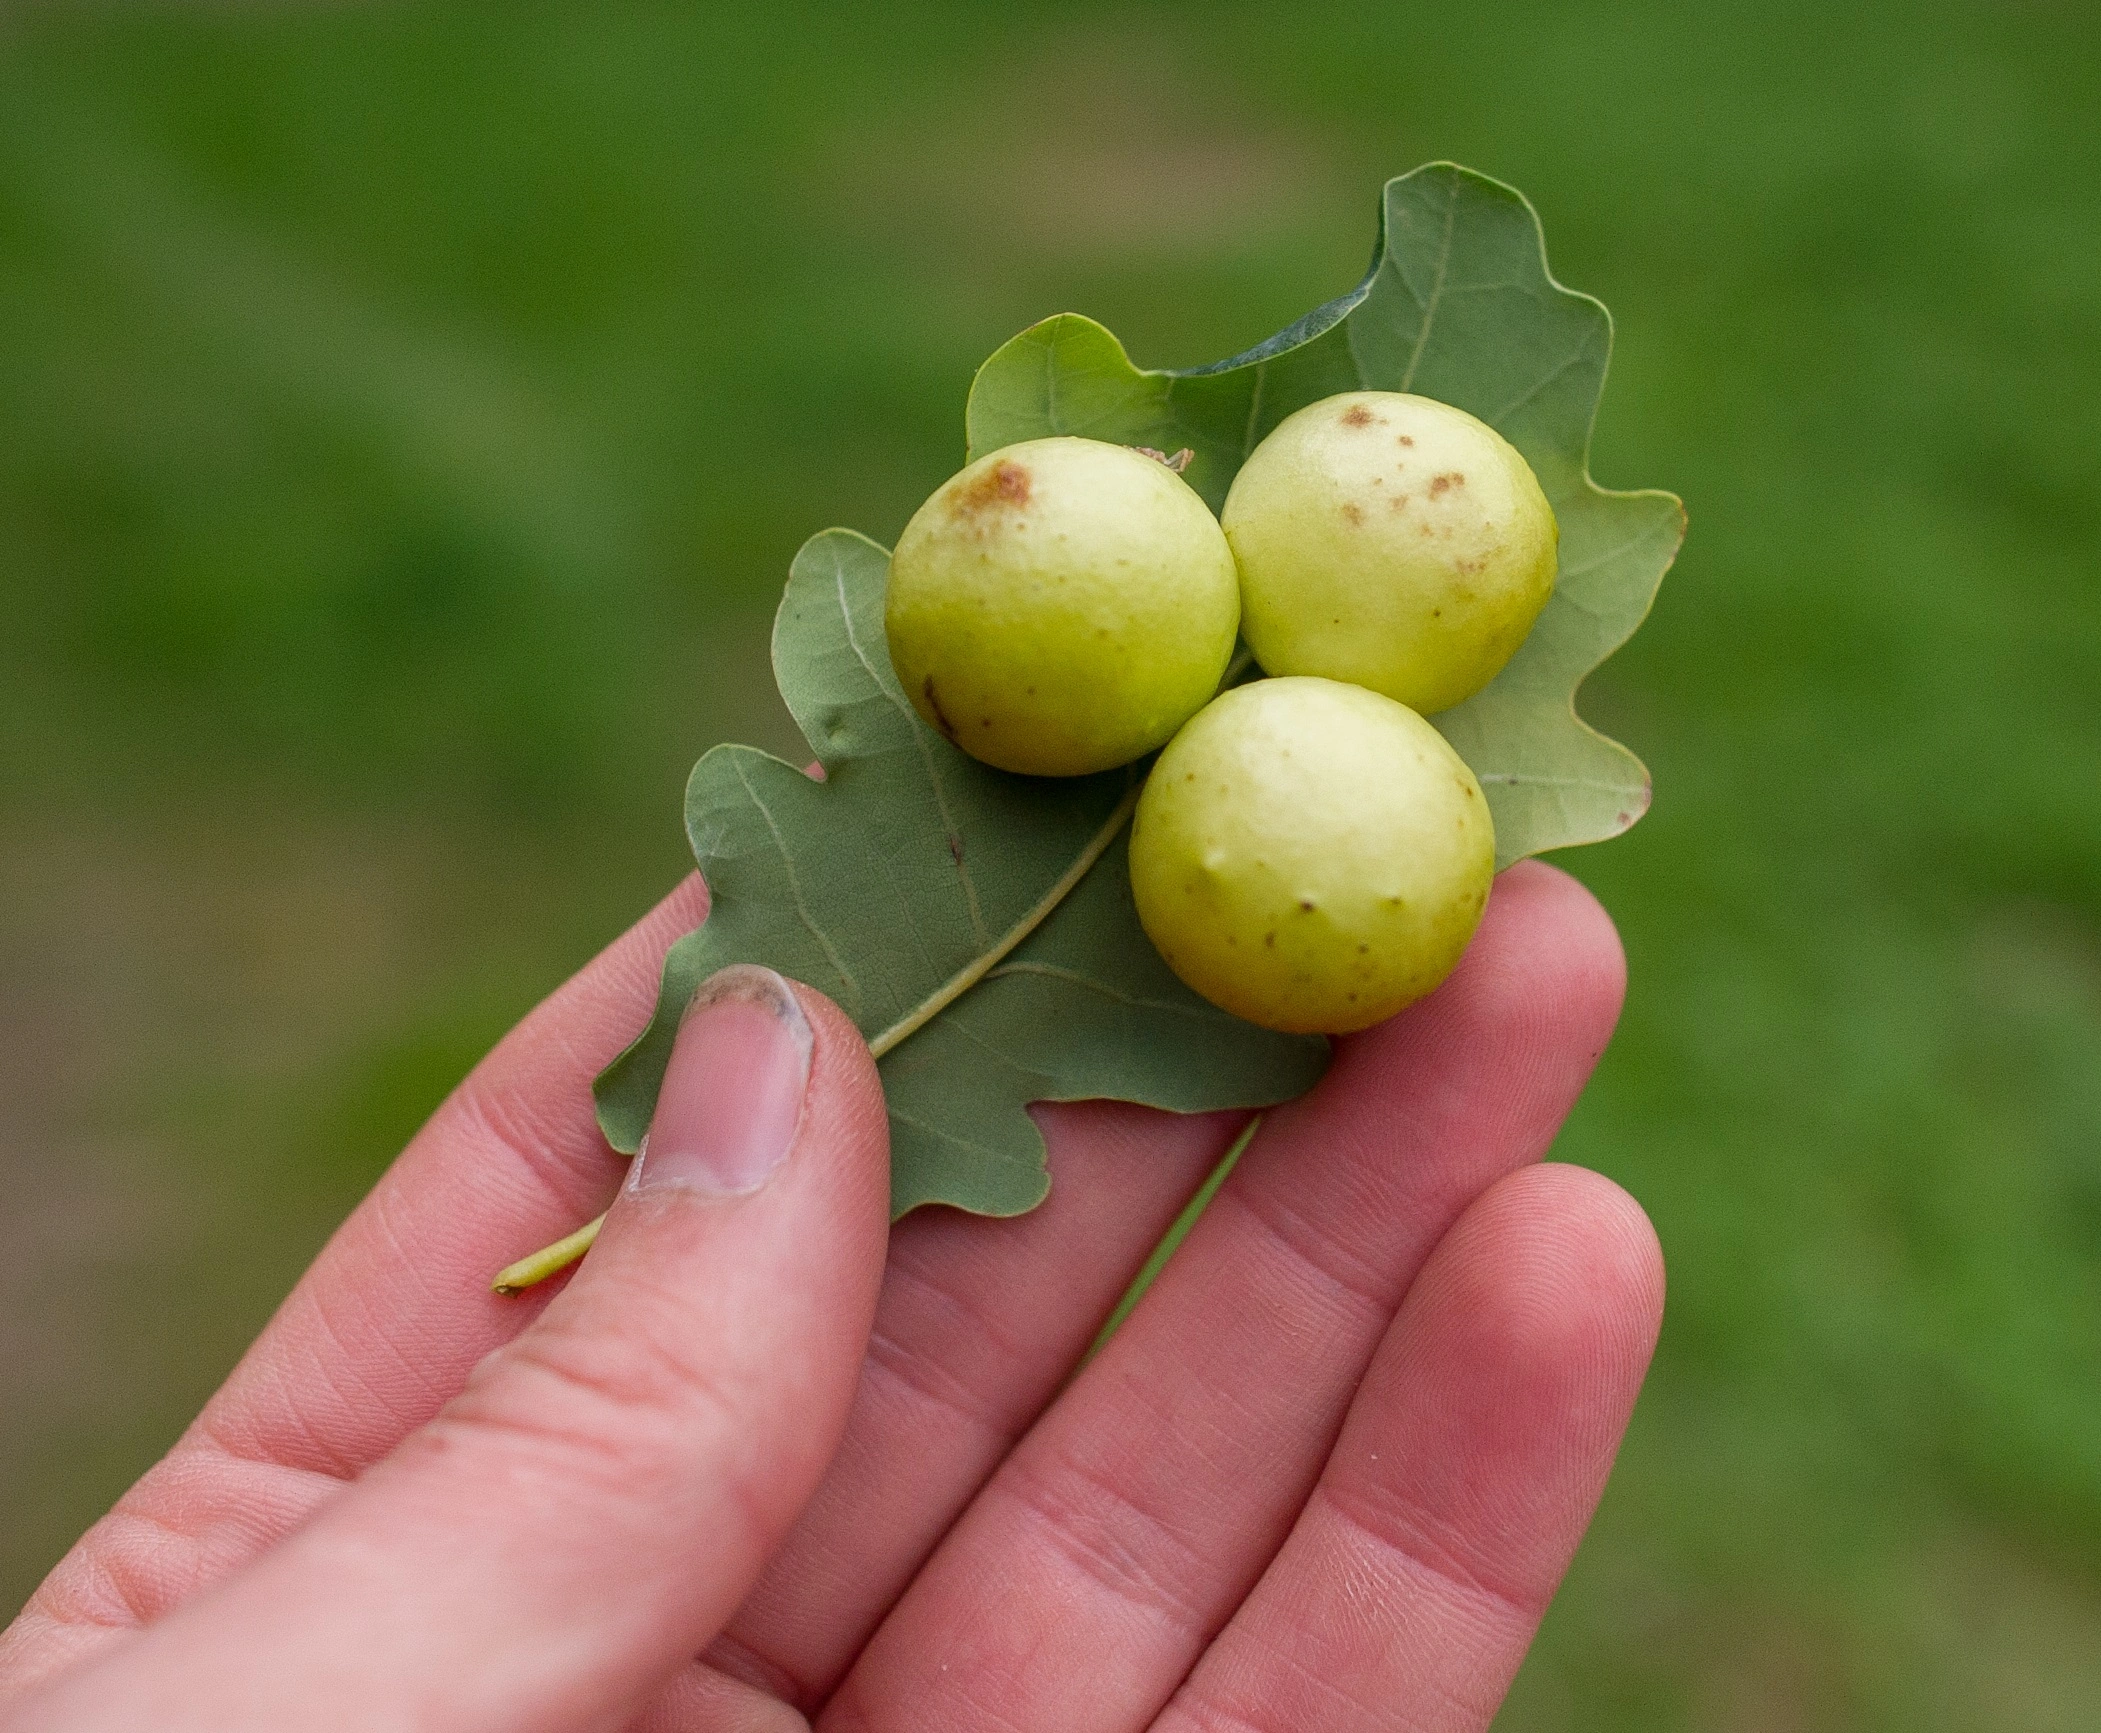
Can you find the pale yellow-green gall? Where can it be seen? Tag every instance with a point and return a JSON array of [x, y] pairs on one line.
[[1062, 606], [1390, 541], [1311, 856]]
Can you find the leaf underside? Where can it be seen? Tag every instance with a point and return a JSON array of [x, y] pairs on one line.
[[892, 883], [906, 867]]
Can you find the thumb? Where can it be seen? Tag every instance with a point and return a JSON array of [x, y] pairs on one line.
[[597, 1501]]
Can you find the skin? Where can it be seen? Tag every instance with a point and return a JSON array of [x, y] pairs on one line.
[[1328, 1474], [1311, 856], [1061, 606], [1391, 541]]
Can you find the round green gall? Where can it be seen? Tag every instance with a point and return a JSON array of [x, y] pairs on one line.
[[1311, 856], [1393, 542], [1061, 606]]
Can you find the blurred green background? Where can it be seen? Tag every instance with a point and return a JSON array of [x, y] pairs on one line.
[[406, 419]]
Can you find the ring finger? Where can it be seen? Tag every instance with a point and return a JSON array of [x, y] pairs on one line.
[[1087, 1579]]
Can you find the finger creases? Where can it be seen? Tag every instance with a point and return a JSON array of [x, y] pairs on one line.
[[384, 1327], [979, 1322], [396, 1311], [589, 1511], [1147, 1503], [1469, 1467]]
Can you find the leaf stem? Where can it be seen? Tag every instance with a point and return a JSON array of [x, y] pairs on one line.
[[516, 1278], [964, 979], [1171, 1241]]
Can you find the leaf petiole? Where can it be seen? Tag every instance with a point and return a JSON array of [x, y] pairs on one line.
[[526, 1272], [516, 1278]]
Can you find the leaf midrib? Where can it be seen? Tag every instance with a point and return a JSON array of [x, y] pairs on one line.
[[983, 964]]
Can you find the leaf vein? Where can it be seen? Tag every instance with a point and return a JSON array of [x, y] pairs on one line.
[[976, 1148], [1526, 779], [933, 769], [1605, 558], [1444, 265], [1050, 369], [802, 907], [1202, 1013], [1545, 379], [998, 1054], [1254, 409]]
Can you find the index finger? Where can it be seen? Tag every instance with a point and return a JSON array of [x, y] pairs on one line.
[[385, 1325]]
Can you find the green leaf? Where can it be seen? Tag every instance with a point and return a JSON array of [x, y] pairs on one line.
[[1459, 306], [978, 927]]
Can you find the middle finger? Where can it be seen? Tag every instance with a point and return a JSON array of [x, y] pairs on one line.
[[978, 1323], [1088, 1577]]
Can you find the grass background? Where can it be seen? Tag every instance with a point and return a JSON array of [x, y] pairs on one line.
[[406, 418]]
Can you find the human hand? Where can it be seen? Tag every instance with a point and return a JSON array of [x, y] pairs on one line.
[[1327, 1475]]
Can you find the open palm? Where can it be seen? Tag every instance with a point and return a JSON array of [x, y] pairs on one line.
[[1327, 1475]]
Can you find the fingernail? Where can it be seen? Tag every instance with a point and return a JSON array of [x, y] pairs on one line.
[[732, 1094]]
